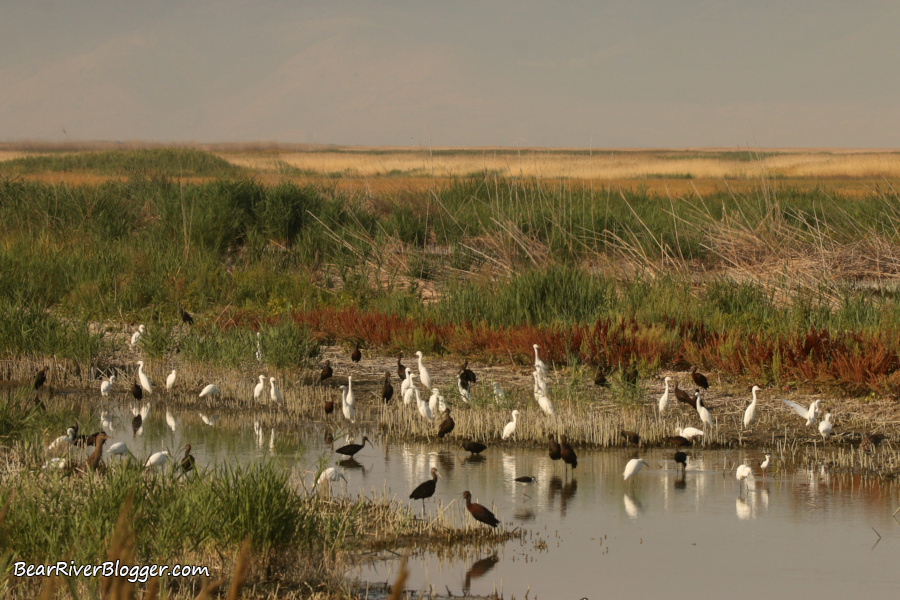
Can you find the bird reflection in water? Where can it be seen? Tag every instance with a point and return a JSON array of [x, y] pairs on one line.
[[633, 506], [446, 460], [680, 482], [553, 490], [352, 464], [566, 494], [478, 569], [474, 459]]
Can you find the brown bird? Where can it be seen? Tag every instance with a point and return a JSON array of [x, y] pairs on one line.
[[678, 441], [631, 438], [681, 459], [600, 377], [356, 355], [327, 372], [387, 392], [554, 448], [185, 316], [187, 463], [137, 391], [567, 453], [466, 374], [479, 512], [699, 378], [473, 447], [95, 460], [426, 489], [871, 441], [351, 449], [401, 368], [329, 407], [447, 424], [683, 396], [88, 440], [41, 378]]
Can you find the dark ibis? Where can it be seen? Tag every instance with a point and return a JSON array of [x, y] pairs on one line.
[[631, 437], [95, 460], [41, 378], [351, 449], [473, 447], [327, 372], [678, 441], [329, 407], [401, 368], [387, 392], [567, 453], [356, 355], [187, 463], [699, 379], [447, 424], [871, 441], [554, 448], [681, 459], [425, 489], [525, 480], [683, 396], [467, 374], [186, 316], [479, 512], [137, 391]]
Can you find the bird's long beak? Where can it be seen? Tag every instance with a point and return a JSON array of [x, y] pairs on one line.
[[438, 473]]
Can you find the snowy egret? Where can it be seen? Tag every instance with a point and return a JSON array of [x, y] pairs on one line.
[[424, 375], [479, 512], [436, 402], [330, 474], [702, 410], [274, 392], [511, 426], [743, 472], [825, 427], [538, 363], [498, 393], [447, 424], [63, 440], [699, 379], [423, 407], [145, 381], [158, 460], [633, 467], [259, 388], [210, 390], [170, 380], [348, 409], [119, 449], [351, 399], [426, 489], [810, 414], [106, 386], [664, 399], [546, 405], [137, 335], [764, 464], [750, 413], [408, 392], [689, 433]]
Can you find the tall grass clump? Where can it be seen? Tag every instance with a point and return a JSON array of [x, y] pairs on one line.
[[166, 162]]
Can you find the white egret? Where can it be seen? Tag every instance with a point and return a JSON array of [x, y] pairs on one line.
[[764, 464], [158, 460], [210, 420], [703, 411], [540, 385], [424, 375], [330, 474], [463, 391], [689, 433], [137, 335], [55, 463], [260, 387], [118, 449], [424, 409], [750, 413], [145, 381], [538, 363], [511, 426], [744, 472], [170, 420], [351, 399], [210, 390], [546, 405], [436, 402], [170, 380], [810, 414], [274, 392], [633, 467], [825, 427], [348, 409], [498, 393], [406, 383], [63, 440], [664, 399], [106, 386], [408, 394]]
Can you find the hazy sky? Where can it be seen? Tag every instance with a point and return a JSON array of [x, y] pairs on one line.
[[598, 73]]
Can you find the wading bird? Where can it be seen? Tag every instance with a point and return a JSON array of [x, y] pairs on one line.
[[137, 391], [538, 363], [350, 450], [327, 372], [554, 448], [187, 463], [702, 410], [825, 427], [764, 465], [567, 453], [681, 459], [145, 381], [106, 386], [356, 355], [274, 392], [467, 374], [498, 393], [401, 368], [750, 413], [408, 392], [810, 414], [463, 386], [94, 461], [170, 380], [63, 440], [158, 460], [210, 390], [387, 390], [423, 407], [137, 335], [473, 447], [425, 489], [40, 378], [601, 375], [436, 402], [330, 474], [525, 479], [479, 512], [678, 441], [511, 426], [546, 405], [683, 396], [259, 388], [424, 375], [351, 399], [447, 424], [118, 449], [743, 472], [348, 410], [689, 433], [633, 467], [699, 379], [664, 399], [186, 318]]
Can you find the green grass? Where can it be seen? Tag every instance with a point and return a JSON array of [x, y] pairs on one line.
[[170, 162]]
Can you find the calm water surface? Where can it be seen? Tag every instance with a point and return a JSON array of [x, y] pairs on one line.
[[793, 532]]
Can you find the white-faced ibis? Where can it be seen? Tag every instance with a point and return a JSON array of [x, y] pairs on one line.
[[678, 441], [664, 399], [631, 437], [137, 391], [348, 409], [567, 453], [750, 413], [137, 335], [473, 447], [424, 375], [259, 388], [699, 379], [63, 440], [683, 396], [479, 512], [689, 433], [538, 363], [351, 449], [106, 386], [633, 467], [327, 372], [186, 317], [94, 461], [158, 460], [425, 489], [871, 441], [145, 381], [401, 368], [463, 386], [511, 426], [554, 448], [274, 392], [446, 425], [210, 390], [810, 414], [40, 378], [467, 374], [498, 393], [764, 464], [705, 417], [681, 459], [825, 427], [387, 390], [525, 479], [187, 463], [356, 355]]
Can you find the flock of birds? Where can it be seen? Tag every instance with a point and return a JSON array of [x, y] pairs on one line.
[[435, 405]]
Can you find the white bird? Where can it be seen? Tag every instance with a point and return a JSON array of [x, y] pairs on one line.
[[330, 474], [348, 409], [158, 460], [210, 420], [258, 348], [424, 375], [119, 448], [463, 392], [546, 405], [351, 399], [170, 420], [688, 433], [664, 399], [511, 426], [145, 381], [764, 464], [170, 380], [406, 383], [633, 467], [424, 409], [702, 410], [210, 390], [810, 414], [408, 394], [106, 386], [540, 385], [538, 363], [274, 392], [436, 402], [137, 335], [750, 413], [55, 463], [825, 427], [260, 387], [63, 439], [498, 393], [743, 472]]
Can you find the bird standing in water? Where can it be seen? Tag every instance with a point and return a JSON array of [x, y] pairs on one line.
[[425, 489], [479, 512]]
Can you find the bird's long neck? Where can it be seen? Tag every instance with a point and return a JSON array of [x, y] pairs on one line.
[[754, 395]]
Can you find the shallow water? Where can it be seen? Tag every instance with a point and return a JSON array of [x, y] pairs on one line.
[[794, 531]]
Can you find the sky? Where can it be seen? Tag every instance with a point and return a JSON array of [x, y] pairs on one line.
[[586, 74]]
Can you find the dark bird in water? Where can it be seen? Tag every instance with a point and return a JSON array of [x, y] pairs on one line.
[[425, 489], [329, 407], [187, 463], [137, 391], [699, 379], [387, 392], [600, 377], [401, 368], [681, 459], [683, 396], [352, 449], [871, 441], [567, 453], [631, 438], [525, 479], [473, 447], [327, 372], [447, 424], [356, 355], [678, 441], [186, 316], [554, 448], [41, 378], [479, 512], [95, 460], [466, 374]]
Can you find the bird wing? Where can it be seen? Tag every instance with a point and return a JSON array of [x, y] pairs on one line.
[[800, 410]]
